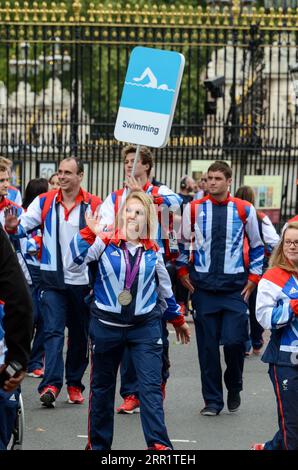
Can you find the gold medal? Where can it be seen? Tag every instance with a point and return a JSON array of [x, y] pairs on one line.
[[125, 297]]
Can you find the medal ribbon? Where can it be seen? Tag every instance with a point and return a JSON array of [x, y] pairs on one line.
[[130, 274]]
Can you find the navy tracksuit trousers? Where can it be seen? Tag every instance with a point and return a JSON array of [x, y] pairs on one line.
[[220, 319], [62, 308], [107, 347], [37, 351], [9, 402], [285, 384], [129, 381]]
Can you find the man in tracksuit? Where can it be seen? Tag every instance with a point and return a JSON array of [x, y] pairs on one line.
[[61, 213], [15, 335], [219, 283]]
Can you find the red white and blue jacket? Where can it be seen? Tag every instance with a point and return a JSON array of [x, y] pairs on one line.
[[151, 285], [212, 251], [20, 246], [274, 312], [163, 197], [14, 195], [44, 212]]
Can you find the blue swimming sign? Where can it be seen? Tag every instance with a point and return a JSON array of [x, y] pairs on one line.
[[149, 96]]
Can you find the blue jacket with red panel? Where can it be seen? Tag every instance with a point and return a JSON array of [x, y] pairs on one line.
[[44, 212], [277, 310], [212, 251]]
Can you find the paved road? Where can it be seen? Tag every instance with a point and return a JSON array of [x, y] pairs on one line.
[[65, 427]]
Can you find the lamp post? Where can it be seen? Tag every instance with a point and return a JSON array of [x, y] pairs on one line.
[[24, 66], [57, 62]]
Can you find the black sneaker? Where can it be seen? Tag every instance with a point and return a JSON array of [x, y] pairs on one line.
[[233, 401], [48, 396], [209, 411]]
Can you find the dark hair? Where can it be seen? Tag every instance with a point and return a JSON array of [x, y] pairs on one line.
[[246, 193], [183, 182], [80, 164], [50, 178], [34, 188], [145, 155], [221, 166]]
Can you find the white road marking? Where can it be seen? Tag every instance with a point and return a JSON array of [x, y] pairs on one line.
[[172, 440], [183, 440]]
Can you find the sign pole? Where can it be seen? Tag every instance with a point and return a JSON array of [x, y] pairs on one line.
[[137, 156]]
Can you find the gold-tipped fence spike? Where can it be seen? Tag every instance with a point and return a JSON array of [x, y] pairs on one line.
[[272, 18], [16, 12], [217, 16], [26, 12], [145, 14], [155, 14], [190, 15], [53, 12], [63, 13], [7, 11], [289, 17], [181, 14], [262, 16], [110, 13], [118, 13], [76, 7], [127, 13], [163, 14], [226, 13], [137, 17], [44, 12], [236, 13], [208, 16], [280, 17], [254, 15], [173, 15], [199, 15], [244, 16], [91, 13], [100, 13]]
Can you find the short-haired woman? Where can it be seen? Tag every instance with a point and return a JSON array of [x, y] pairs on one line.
[[132, 287], [277, 310]]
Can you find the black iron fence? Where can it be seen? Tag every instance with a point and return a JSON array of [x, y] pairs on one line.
[[61, 77]]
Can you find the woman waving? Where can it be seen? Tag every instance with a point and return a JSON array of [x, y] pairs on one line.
[[132, 291]]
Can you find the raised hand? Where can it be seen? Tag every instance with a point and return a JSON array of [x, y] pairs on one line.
[[11, 219], [93, 221], [133, 184]]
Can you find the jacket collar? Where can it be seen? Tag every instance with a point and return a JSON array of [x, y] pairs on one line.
[[82, 196], [222, 203], [4, 202], [119, 237]]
